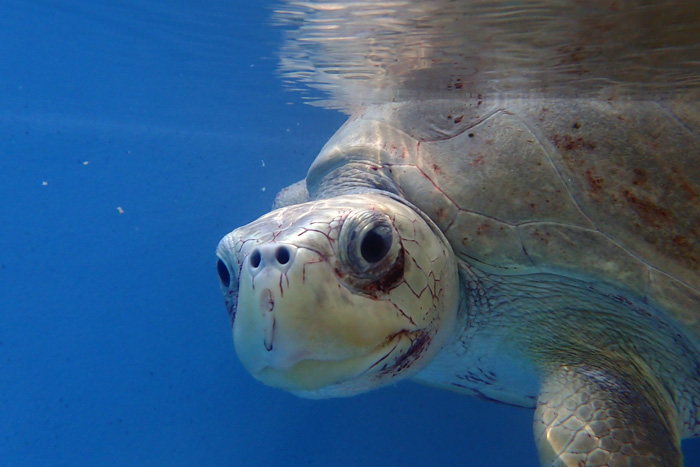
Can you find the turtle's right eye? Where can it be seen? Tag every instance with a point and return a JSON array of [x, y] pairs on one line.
[[224, 275]]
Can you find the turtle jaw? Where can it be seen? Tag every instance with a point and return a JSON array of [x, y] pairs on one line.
[[316, 379], [304, 332]]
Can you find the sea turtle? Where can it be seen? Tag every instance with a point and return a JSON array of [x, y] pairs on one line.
[[539, 252]]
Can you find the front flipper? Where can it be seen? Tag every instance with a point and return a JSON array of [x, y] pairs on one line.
[[589, 417]]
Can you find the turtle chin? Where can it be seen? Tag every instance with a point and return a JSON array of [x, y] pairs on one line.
[[316, 379], [337, 297]]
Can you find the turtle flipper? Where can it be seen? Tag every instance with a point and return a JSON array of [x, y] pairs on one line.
[[588, 417]]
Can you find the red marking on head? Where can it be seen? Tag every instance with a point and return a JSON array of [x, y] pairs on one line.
[[390, 280], [420, 340], [477, 160], [303, 269], [339, 273]]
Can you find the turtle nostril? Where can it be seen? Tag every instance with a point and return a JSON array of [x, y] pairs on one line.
[[224, 275], [282, 255]]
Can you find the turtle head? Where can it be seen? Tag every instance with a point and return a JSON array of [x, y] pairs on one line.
[[339, 296]]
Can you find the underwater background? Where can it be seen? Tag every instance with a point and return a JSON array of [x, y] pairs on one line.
[[134, 135]]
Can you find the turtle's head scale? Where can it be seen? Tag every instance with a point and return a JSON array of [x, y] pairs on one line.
[[338, 296]]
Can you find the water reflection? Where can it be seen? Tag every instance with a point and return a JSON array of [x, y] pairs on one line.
[[366, 51]]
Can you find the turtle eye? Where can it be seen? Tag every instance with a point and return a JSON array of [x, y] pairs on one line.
[[224, 275], [376, 244], [371, 253]]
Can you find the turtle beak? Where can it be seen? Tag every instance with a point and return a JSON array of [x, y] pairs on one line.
[[298, 329], [264, 282]]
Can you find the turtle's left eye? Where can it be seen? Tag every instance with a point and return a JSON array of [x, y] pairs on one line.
[[370, 251], [376, 244]]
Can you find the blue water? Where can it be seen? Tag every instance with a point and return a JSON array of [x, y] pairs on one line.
[[135, 134]]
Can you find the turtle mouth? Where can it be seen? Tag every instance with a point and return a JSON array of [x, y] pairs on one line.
[[309, 376]]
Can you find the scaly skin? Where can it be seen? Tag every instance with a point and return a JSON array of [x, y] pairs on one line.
[[594, 368], [597, 418]]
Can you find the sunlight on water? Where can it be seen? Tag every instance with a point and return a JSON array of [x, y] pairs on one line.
[[364, 51]]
